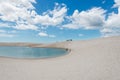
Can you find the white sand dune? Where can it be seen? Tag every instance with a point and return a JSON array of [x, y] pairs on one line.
[[97, 59]]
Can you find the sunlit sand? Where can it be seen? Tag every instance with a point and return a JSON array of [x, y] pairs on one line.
[[97, 59]]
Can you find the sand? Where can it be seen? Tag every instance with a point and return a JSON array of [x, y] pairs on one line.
[[97, 59]]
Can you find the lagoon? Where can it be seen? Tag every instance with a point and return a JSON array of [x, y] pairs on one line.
[[30, 52]]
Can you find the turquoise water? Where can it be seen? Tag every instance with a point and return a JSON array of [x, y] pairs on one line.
[[30, 52]]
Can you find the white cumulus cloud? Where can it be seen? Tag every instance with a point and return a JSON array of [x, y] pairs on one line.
[[17, 12], [52, 17], [112, 24], [23, 15], [90, 19], [117, 3], [43, 34]]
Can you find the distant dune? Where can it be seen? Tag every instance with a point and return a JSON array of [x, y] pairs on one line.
[[18, 44], [97, 59]]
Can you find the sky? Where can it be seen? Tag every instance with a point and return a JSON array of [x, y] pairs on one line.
[[45, 21]]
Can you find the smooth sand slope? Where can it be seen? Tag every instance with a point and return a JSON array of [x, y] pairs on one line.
[[97, 59]]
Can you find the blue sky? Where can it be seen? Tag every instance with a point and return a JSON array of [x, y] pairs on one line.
[[43, 21]]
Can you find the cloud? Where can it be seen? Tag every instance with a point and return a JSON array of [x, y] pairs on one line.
[[52, 17], [43, 34], [4, 25], [90, 19], [26, 26], [112, 24], [13, 10], [22, 15], [117, 3], [18, 12], [107, 32], [80, 35]]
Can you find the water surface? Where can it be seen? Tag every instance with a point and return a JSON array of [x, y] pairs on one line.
[[30, 52]]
